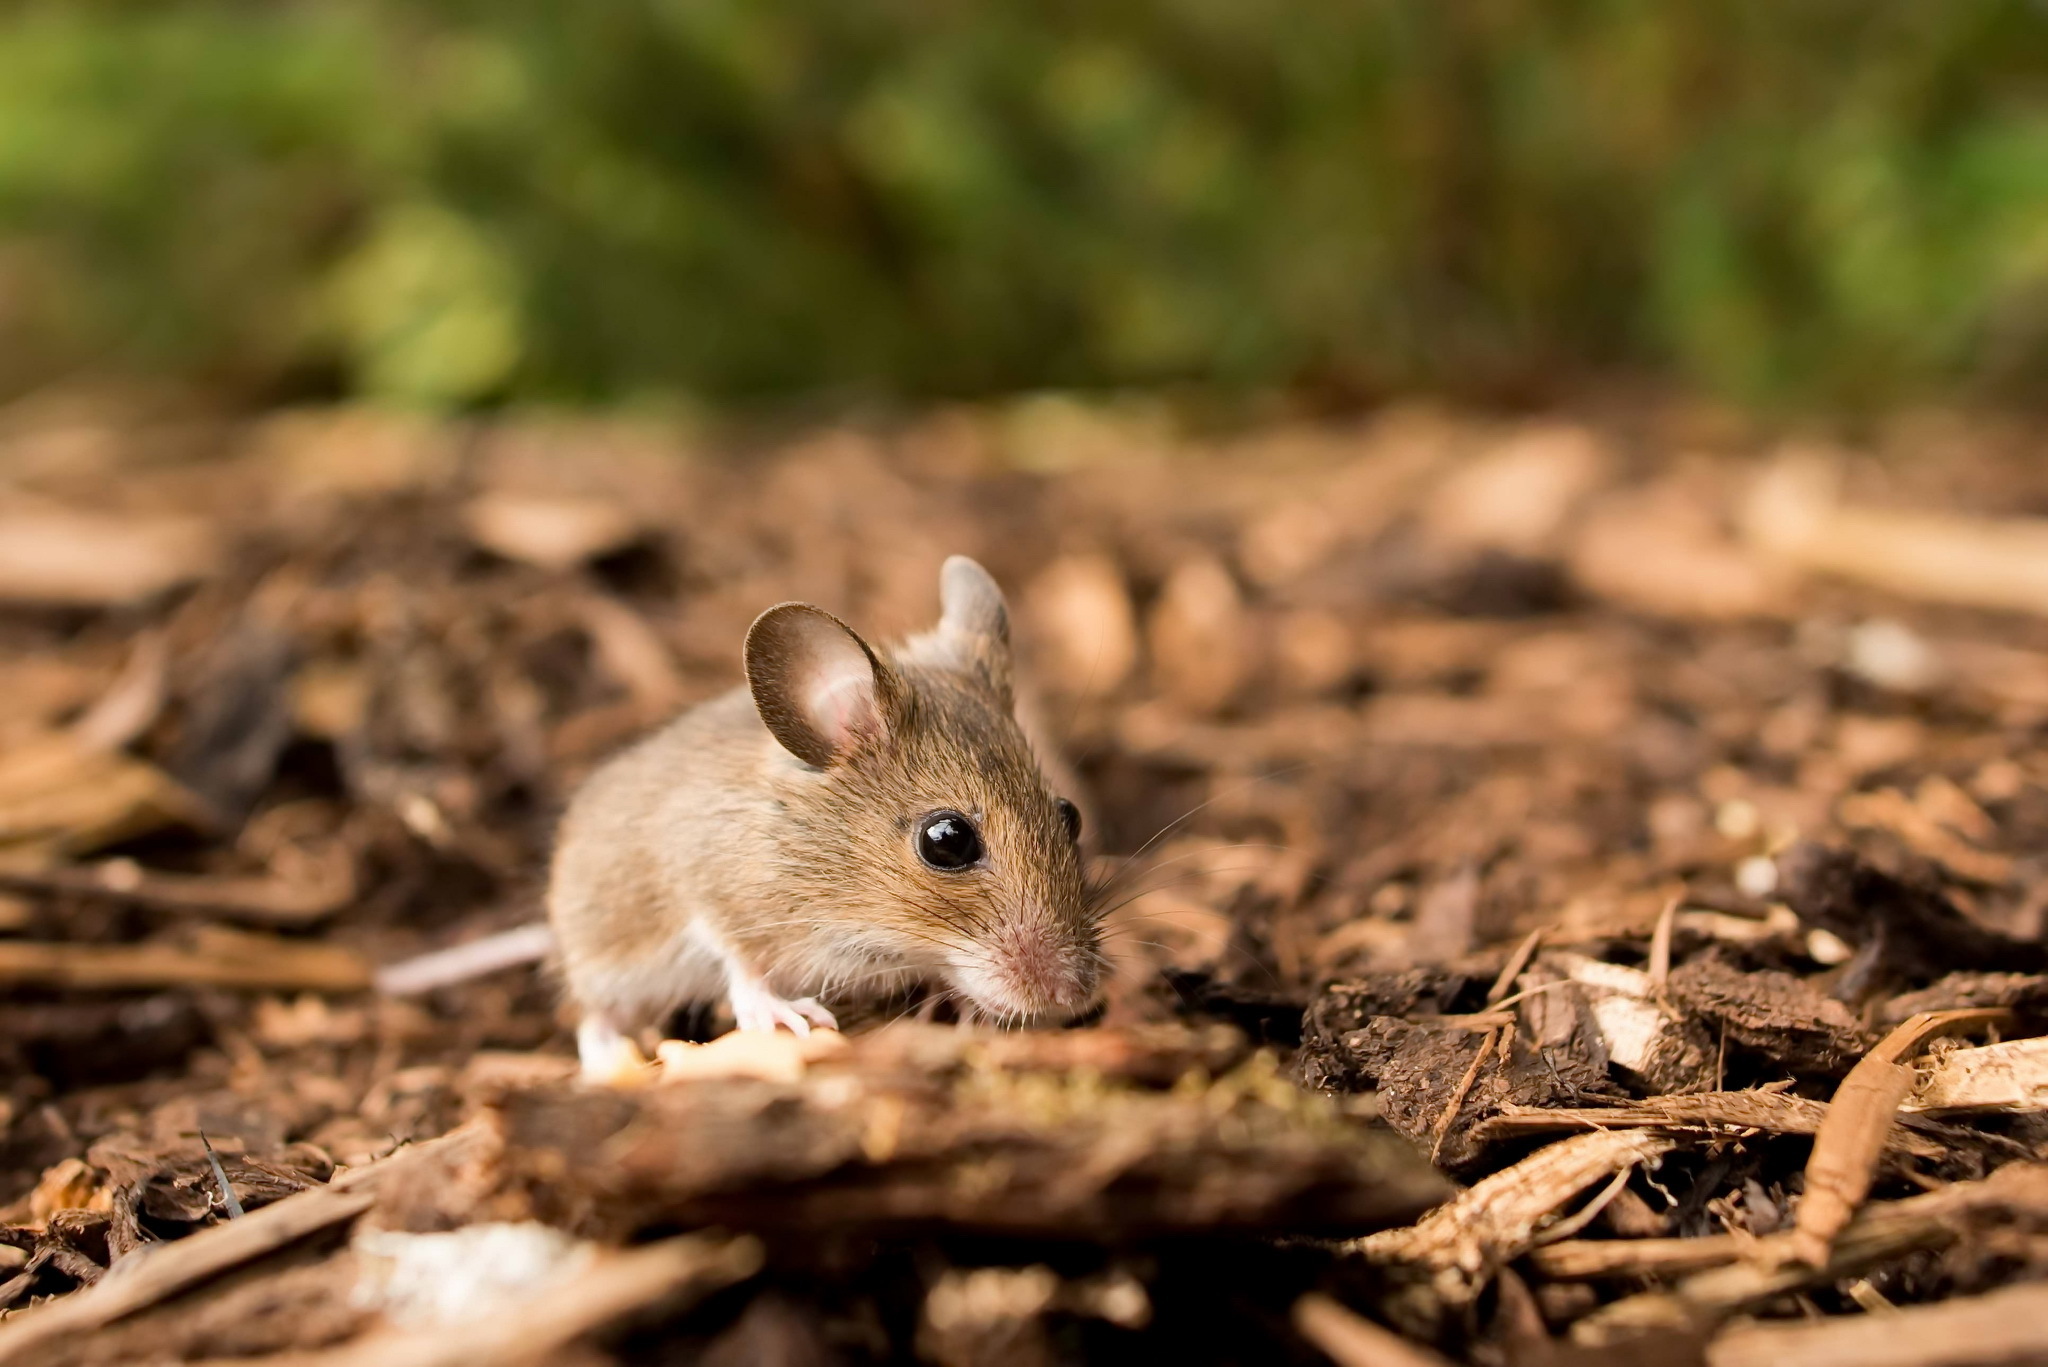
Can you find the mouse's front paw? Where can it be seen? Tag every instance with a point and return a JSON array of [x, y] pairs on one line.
[[755, 1007], [608, 1057]]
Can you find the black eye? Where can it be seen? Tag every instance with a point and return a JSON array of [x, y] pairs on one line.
[[1071, 815], [948, 841]]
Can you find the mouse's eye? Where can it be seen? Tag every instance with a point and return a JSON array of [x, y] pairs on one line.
[[1071, 816], [948, 841]]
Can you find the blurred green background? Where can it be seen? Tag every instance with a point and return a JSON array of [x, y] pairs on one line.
[[445, 203]]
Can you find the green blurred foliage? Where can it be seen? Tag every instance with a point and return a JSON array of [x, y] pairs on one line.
[[447, 201]]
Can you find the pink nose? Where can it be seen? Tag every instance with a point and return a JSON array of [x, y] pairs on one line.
[[1043, 969]]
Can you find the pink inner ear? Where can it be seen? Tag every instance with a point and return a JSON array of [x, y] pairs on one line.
[[840, 700]]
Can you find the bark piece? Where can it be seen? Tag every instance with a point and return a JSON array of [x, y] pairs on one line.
[[238, 720], [2025, 993], [1786, 1019], [910, 1129], [1439, 1080]]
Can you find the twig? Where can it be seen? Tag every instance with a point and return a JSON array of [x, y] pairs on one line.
[[1586, 1260], [1586, 1214], [1745, 1111], [1879, 1233], [1852, 1135], [1660, 946], [1505, 1002], [1512, 969], [245, 961], [1351, 1340], [2007, 1325], [1441, 1130]]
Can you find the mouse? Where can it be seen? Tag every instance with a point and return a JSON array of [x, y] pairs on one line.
[[850, 821]]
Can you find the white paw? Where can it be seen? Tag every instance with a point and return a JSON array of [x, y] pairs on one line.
[[607, 1056], [754, 1007], [808, 1008]]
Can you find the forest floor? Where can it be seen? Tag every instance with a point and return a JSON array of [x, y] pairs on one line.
[[1580, 896]]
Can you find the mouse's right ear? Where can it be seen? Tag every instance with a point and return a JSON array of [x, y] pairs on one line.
[[975, 622], [818, 687]]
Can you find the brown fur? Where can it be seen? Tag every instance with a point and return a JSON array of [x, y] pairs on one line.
[[803, 868]]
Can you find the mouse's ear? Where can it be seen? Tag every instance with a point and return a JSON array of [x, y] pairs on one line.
[[818, 687], [975, 621]]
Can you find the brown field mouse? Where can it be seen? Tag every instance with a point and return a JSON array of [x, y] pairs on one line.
[[846, 823]]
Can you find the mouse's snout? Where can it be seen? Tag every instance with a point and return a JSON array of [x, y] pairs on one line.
[[1031, 972]]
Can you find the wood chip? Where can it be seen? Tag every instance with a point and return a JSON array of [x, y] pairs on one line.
[[1199, 636], [2012, 1076], [1794, 515], [553, 533], [1080, 615], [56, 555], [1890, 810], [776, 1057]]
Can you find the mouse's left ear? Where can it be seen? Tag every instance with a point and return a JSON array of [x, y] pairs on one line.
[[817, 685], [975, 621]]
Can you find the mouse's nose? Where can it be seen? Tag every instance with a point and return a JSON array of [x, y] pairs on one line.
[[1040, 971]]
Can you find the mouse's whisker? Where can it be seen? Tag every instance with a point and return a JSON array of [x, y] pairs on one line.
[[1109, 884], [1099, 914], [1135, 871], [1217, 797]]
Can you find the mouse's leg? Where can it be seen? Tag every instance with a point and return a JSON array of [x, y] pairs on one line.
[[756, 1007], [606, 1054]]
